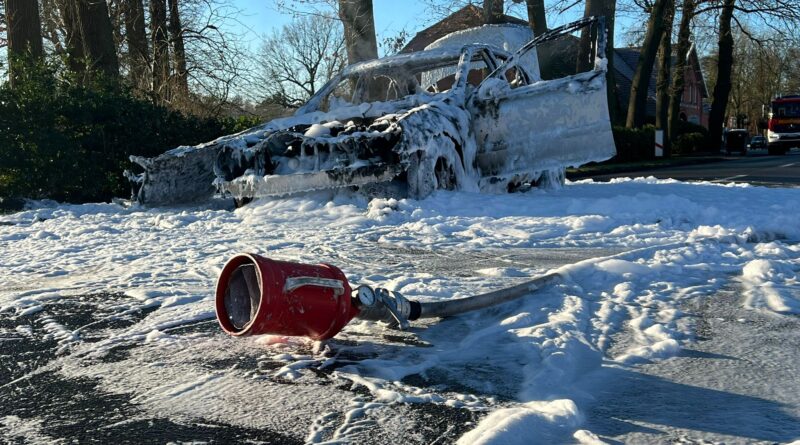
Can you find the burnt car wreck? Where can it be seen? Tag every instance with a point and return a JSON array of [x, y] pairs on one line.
[[467, 117]]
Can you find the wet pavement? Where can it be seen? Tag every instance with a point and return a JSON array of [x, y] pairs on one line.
[[53, 392]]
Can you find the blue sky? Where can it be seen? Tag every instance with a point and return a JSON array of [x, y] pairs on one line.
[[261, 17], [391, 16]]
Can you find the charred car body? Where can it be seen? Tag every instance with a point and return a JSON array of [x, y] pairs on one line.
[[471, 117]]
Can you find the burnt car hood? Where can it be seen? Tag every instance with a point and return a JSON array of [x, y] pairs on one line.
[[187, 174]]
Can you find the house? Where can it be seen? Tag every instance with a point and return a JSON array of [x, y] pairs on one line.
[[469, 16], [693, 103], [557, 60]]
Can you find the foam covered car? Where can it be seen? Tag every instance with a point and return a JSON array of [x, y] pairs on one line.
[[468, 116]]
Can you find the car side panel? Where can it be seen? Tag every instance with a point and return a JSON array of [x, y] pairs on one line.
[[544, 126]]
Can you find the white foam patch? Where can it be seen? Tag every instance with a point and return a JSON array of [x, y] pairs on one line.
[[772, 284], [528, 424]]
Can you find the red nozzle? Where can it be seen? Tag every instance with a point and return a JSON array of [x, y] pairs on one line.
[[256, 295]]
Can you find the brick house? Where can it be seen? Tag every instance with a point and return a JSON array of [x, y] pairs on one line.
[[469, 16], [694, 108]]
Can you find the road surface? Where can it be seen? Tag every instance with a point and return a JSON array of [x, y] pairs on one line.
[[756, 168]]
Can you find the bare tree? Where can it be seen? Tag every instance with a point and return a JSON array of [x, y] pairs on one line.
[[359, 29], [219, 63], [97, 36], [722, 88], [24, 35], [301, 58], [138, 50], [607, 9], [160, 44], [181, 81], [637, 105], [73, 38], [537, 18], [682, 48], [393, 44], [492, 11], [760, 72], [662, 81]]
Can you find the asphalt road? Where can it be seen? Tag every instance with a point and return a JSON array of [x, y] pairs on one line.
[[52, 395], [726, 387], [756, 168]]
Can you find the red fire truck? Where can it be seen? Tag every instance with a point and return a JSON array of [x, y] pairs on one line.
[[783, 129]]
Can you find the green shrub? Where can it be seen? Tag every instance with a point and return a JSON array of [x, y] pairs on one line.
[[67, 142], [634, 144], [685, 127], [689, 143]]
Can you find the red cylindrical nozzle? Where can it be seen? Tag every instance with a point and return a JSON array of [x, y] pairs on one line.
[[256, 295]]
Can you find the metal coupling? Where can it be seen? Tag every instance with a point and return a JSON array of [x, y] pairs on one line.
[[390, 307]]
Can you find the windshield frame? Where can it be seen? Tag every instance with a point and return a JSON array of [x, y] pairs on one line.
[[421, 61]]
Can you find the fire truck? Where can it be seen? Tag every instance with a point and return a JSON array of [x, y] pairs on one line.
[[783, 128]]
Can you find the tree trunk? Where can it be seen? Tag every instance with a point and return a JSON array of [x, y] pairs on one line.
[[492, 11], [73, 38], [637, 106], [359, 30], [138, 52], [722, 89], [584, 62], [679, 73], [158, 34], [606, 8], [178, 51], [537, 19], [610, 11], [24, 36], [662, 82], [98, 37]]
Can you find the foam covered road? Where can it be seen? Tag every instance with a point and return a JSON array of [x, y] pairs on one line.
[[677, 298]]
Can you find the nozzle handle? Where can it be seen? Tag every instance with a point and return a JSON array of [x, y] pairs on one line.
[[294, 283]]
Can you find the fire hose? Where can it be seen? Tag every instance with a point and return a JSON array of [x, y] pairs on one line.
[[258, 295]]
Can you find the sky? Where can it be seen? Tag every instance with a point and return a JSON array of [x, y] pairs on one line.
[[391, 16]]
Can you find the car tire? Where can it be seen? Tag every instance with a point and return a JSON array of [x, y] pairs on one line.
[[440, 171]]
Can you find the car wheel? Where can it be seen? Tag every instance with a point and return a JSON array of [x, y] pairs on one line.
[[428, 171], [445, 175]]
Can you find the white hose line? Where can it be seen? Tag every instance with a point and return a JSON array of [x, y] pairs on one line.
[[449, 308]]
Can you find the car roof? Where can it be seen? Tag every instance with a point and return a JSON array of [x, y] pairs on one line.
[[415, 59]]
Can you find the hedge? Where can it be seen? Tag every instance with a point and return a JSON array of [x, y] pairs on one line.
[[63, 141]]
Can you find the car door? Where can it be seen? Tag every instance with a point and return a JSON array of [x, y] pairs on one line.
[[525, 127]]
